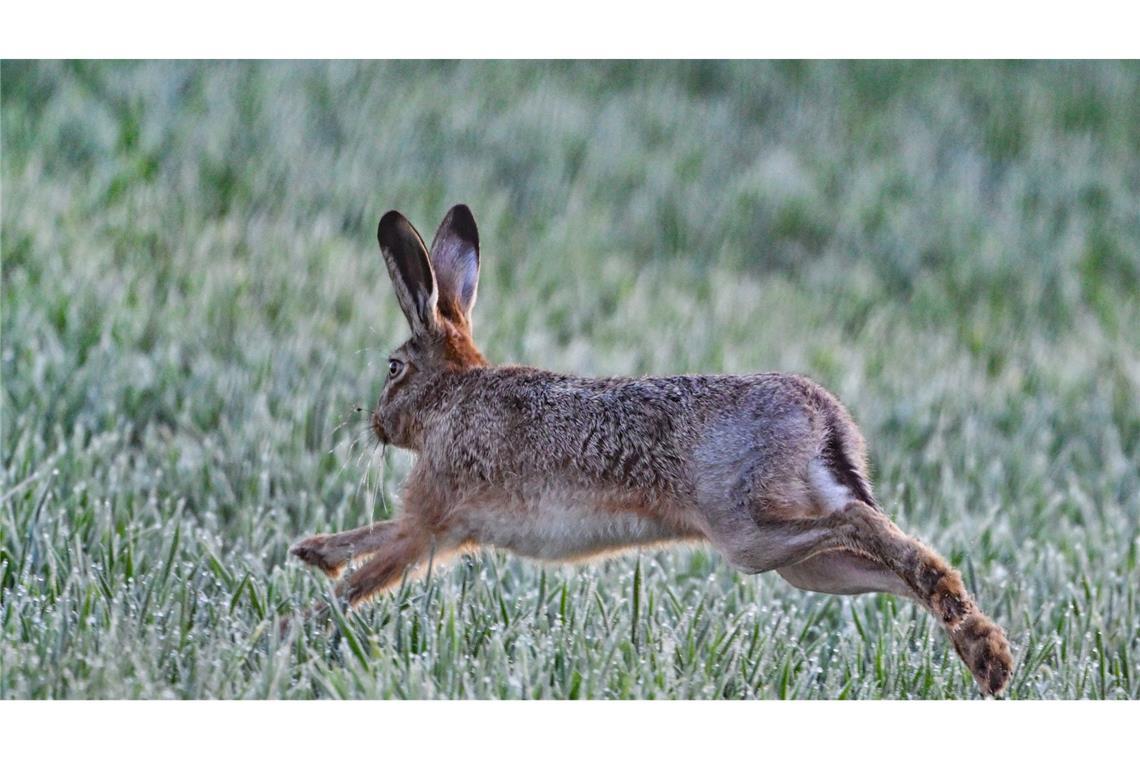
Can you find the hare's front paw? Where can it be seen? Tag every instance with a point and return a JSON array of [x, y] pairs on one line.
[[316, 551]]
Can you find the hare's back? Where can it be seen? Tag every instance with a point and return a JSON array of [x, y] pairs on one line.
[[649, 433]]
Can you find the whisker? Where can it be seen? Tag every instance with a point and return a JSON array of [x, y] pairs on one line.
[[382, 450], [349, 446], [346, 419], [361, 463], [363, 456]]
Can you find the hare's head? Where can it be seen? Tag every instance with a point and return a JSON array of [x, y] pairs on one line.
[[436, 291]]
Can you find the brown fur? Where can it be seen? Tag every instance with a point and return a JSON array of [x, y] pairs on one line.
[[769, 468]]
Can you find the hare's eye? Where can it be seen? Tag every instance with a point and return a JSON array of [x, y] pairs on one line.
[[395, 367]]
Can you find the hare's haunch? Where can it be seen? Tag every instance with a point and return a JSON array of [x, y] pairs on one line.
[[769, 468]]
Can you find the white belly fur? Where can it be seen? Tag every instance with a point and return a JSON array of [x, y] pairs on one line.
[[565, 524]]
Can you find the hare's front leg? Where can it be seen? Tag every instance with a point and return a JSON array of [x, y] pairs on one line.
[[407, 549], [332, 551], [394, 545]]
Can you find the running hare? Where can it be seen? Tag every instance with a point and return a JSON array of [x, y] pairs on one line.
[[769, 468]]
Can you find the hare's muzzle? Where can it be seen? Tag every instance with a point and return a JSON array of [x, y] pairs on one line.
[[378, 428]]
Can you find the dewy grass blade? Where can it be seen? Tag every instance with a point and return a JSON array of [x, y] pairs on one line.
[[344, 628], [636, 610], [29, 549]]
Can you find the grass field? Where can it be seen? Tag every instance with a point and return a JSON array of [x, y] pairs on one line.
[[194, 306]]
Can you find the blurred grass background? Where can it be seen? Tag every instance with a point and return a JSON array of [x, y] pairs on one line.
[[193, 306]]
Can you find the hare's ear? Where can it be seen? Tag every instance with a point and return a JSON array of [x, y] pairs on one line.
[[408, 266], [455, 260]]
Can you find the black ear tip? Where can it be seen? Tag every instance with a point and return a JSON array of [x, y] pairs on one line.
[[462, 222], [391, 225]]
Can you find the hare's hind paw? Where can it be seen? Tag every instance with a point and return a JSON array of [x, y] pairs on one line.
[[984, 648], [315, 551]]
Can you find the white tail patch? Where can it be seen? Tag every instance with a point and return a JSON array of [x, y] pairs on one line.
[[828, 492]]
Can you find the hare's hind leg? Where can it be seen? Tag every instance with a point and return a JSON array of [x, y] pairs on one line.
[[927, 577], [979, 641], [332, 551], [842, 571]]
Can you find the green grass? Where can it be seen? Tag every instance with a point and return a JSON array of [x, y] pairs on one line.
[[193, 306]]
